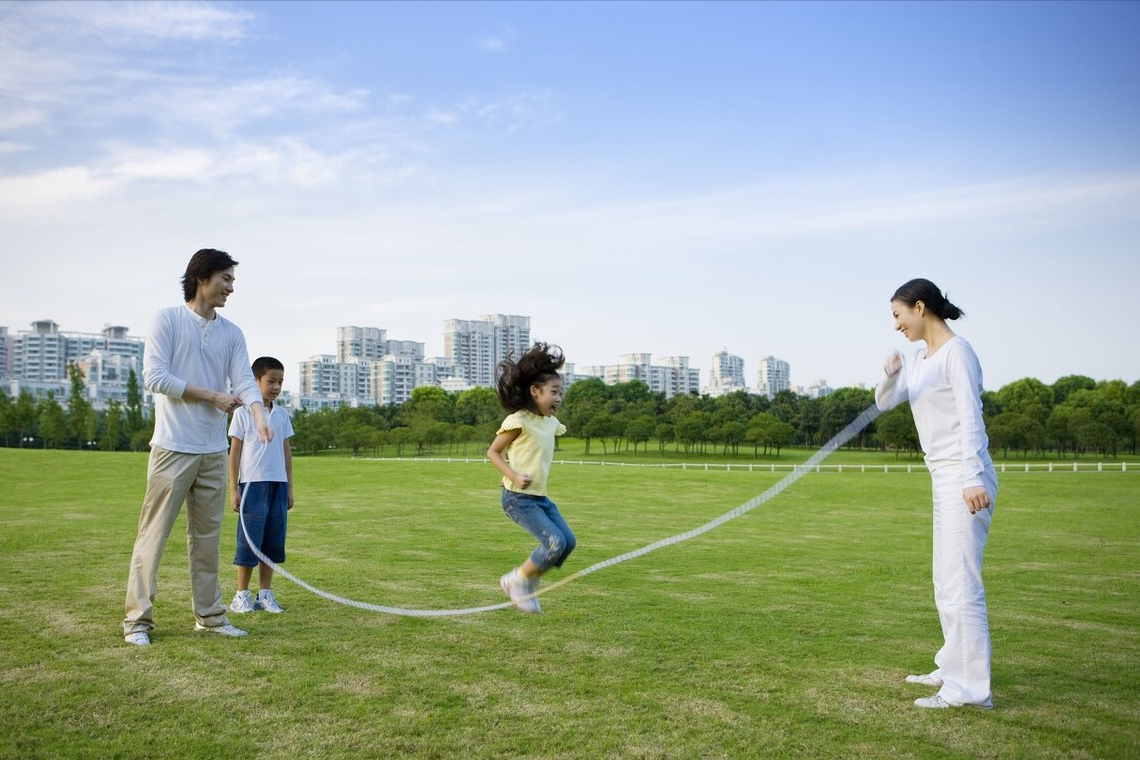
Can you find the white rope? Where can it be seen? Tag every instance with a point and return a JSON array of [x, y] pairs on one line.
[[841, 438]]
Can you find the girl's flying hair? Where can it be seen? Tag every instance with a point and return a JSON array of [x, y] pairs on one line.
[[537, 365]]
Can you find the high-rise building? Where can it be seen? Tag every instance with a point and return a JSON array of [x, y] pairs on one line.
[[672, 376], [40, 358], [775, 376], [5, 355], [476, 346], [366, 344], [726, 374], [367, 369]]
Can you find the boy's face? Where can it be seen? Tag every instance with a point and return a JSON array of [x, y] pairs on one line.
[[270, 384]]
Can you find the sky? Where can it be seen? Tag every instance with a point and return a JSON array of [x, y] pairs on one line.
[[673, 178]]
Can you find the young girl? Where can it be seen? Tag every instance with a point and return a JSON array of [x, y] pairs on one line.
[[943, 382], [531, 390]]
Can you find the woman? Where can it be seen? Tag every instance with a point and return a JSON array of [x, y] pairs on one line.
[[943, 383]]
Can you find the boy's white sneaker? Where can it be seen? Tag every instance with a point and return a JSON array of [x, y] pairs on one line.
[[268, 602], [226, 629], [242, 603], [138, 638]]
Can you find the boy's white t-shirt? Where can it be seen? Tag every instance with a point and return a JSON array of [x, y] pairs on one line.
[[262, 462]]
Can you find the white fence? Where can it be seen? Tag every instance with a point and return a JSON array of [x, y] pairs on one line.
[[1005, 467]]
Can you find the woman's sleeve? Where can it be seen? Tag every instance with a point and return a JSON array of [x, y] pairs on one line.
[[965, 375], [891, 390]]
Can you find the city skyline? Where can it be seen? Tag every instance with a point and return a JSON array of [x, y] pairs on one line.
[[360, 343], [670, 178]]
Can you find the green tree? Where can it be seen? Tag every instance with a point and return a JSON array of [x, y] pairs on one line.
[[1026, 396], [25, 416], [114, 431], [51, 422], [840, 408], [1068, 385], [7, 416], [134, 420], [639, 430], [80, 413], [428, 403], [478, 406], [895, 429]]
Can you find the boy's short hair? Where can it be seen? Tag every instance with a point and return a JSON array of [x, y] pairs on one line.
[[263, 364]]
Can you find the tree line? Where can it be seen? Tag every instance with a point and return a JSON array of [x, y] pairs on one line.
[[1073, 416]]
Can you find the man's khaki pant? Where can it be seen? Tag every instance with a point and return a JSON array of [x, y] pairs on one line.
[[199, 480]]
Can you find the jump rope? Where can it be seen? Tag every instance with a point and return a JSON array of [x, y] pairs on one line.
[[842, 437]]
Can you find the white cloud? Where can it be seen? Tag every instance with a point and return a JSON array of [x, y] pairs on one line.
[[491, 44], [129, 23]]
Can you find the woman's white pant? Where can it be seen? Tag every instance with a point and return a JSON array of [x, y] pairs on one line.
[[959, 543]]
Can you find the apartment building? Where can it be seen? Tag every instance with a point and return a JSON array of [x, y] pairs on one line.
[[672, 376], [775, 376], [36, 360]]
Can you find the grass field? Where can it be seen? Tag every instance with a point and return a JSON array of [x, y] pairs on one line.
[[783, 634]]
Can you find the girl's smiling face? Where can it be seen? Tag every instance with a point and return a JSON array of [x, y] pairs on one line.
[[547, 396], [908, 320]]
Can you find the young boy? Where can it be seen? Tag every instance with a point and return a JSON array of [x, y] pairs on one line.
[[265, 472]]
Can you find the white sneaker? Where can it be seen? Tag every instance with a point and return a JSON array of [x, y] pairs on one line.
[[268, 602], [938, 703], [930, 679], [225, 629], [138, 638], [530, 586], [242, 603], [515, 586]]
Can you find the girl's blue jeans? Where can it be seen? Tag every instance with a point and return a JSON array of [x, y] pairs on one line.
[[538, 516]]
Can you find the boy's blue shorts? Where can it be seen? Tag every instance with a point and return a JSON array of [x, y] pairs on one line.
[[265, 514]]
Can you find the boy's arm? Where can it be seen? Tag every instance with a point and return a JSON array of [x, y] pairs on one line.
[[235, 464], [289, 468]]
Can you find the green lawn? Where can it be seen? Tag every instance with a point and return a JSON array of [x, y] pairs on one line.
[[783, 634]]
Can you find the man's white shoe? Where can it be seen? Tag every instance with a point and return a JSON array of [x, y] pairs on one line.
[[138, 638], [242, 603], [268, 602], [938, 703], [930, 679], [225, 629]]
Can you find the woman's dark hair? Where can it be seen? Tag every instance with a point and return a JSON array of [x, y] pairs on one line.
[[537, 365], [202, 266], [926, 291]]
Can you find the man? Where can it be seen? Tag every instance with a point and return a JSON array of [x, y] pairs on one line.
[[197, 367]]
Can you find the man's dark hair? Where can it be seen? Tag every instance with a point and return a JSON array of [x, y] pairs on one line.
[[263, 364], [202, 266]]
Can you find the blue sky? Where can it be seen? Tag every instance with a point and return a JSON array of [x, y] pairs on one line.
[[674, 178]]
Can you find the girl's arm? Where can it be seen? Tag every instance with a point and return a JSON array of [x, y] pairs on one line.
[[495, 455]]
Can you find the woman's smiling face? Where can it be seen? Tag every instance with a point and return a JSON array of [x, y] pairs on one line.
[[908, 320]]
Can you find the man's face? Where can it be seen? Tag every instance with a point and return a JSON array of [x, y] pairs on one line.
[[217, 288]]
